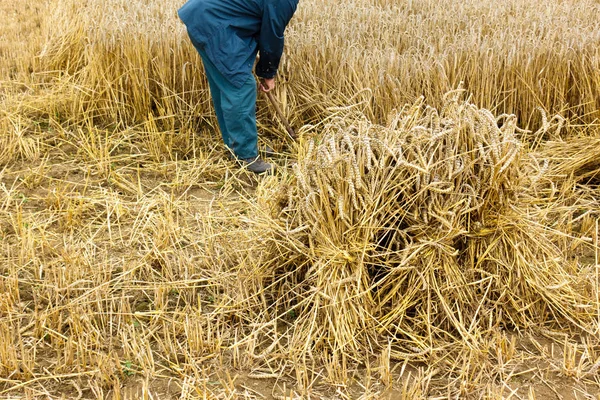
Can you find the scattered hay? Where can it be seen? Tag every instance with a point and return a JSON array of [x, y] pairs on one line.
[[130, 251]]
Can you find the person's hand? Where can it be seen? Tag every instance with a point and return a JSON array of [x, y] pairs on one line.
[[266, 85]]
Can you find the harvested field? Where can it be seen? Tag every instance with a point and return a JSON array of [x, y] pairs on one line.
[[433, 233]]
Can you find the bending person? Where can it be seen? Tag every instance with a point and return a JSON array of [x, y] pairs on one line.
[[229, 34]]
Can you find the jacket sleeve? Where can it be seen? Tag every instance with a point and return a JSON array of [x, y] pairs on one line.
[[276, 16]]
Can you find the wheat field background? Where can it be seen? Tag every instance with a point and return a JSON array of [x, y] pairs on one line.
[[433, 233]]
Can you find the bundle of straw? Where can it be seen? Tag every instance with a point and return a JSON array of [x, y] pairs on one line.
[[416, 234]]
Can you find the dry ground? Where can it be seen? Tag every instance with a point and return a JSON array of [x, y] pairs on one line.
[[123, 226]]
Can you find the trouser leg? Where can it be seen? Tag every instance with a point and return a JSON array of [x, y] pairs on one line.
[[215, 92], [235, 108], [239, 113]]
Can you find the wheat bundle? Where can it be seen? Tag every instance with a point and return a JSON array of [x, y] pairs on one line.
[[416, 235]]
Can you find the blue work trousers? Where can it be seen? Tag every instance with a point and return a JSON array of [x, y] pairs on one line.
[[235, 108]]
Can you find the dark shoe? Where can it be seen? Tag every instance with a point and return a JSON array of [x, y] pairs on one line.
[[257, 165]]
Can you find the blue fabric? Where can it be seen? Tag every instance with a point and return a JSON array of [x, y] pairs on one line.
[[232, 32], [235, 108]]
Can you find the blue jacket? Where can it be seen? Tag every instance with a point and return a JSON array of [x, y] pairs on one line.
[[232, 32]]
